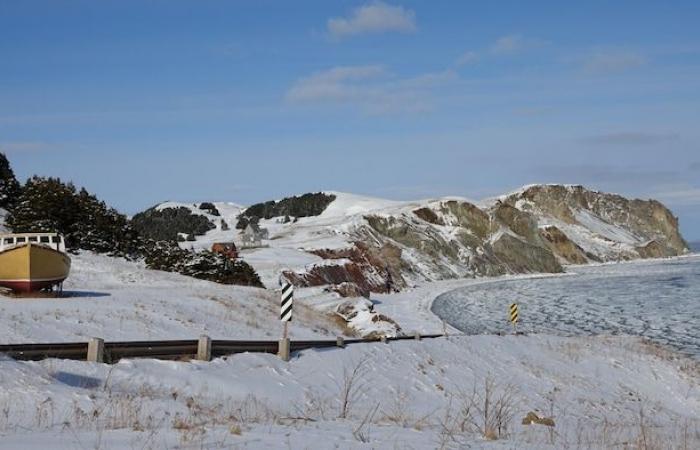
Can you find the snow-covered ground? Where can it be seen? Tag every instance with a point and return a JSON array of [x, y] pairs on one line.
[[600, 391], [121, 300]]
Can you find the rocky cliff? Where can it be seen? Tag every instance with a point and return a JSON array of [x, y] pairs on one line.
[[606, 227], [536, 229]]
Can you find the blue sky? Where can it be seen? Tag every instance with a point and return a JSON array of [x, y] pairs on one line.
[[144, 101]]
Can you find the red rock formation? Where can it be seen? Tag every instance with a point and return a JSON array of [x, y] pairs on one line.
[[369, 269]]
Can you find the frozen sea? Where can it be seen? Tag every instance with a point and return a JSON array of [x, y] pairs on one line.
[[657, 299]]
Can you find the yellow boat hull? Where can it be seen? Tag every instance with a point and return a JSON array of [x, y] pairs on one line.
[[30, 268]]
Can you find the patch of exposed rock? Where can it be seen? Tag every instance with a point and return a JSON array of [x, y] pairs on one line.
[[359, 270], [360, 316], [567, 251]]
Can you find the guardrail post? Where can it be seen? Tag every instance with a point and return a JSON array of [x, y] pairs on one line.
[[340, 342], [96, 350], [417, 335], [204, 348], [283, 349]]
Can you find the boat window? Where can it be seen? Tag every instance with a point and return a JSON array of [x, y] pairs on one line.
[[55, 239], [44, 239], [9, 241], [21, 239], [32, 239]]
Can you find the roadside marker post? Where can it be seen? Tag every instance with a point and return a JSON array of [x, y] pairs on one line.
[[286, 306], [96, 350], [514, 316]]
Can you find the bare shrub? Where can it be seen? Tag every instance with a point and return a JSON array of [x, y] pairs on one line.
[[399, 412], [450, 429], [351, 386], [362, 431], [488, 409], [250, 410]]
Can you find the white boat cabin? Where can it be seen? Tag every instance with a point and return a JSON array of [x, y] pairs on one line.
[[52, 240]]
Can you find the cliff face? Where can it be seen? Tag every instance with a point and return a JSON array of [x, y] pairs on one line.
[[537, 229], [607, 227]]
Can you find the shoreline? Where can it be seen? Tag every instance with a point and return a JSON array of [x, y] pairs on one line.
[[474, 315]]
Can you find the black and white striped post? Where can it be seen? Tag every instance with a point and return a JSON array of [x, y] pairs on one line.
[[286, 306]]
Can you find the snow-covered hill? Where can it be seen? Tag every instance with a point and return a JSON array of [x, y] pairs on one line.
[[122, 300], [373, 243]]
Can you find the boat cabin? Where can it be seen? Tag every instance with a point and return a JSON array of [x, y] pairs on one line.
[[51, 240]]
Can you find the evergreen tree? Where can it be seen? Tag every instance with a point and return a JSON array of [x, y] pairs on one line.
[[9, 186], [49, 205]]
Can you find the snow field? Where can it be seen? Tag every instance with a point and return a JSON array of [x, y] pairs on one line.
[[116, 299], [404, 394]]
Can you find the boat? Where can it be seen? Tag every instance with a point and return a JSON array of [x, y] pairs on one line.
[[31, 262]]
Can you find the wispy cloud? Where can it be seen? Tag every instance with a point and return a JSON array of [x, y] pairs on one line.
[[630, 138], [375, 17], [371, 88], [603, 62], [684, 195], [335, 84], [507, 44], [515, 43], [468, 57]]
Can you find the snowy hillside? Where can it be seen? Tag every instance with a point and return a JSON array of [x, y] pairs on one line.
[[120, 300], [599, 392], [369, 243]]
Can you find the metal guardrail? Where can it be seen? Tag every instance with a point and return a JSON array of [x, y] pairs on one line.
[[168, 350]]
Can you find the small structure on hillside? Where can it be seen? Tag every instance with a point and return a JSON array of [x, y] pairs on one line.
[[227, 249], [253, 235]]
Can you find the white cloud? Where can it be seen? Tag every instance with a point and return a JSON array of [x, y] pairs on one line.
[[631, 138], [376, 17], [337, 83], [508, 44], [612, 61], [371, 88], [467, 57]]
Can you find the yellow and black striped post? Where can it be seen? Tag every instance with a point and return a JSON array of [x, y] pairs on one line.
[[514, 315]]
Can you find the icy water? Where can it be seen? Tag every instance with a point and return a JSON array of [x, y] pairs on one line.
[[659, 300]]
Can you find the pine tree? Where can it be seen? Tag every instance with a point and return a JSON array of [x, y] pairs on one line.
[[9, 186], [49, 205]]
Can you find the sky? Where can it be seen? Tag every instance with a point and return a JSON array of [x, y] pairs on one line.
[[246, 101]]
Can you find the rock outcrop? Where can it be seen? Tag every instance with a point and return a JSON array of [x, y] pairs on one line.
[[536, 229], [608, 227]]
